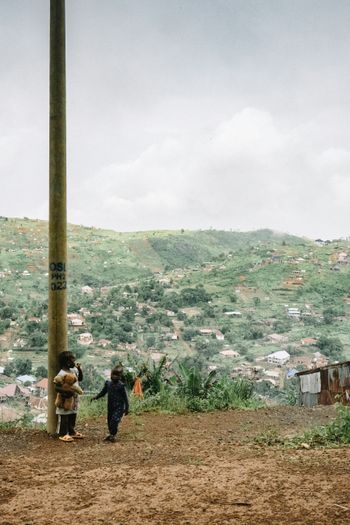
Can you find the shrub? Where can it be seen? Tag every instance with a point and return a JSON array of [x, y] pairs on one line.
[[335, 434]]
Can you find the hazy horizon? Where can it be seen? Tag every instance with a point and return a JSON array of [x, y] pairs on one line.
[[275, 231]]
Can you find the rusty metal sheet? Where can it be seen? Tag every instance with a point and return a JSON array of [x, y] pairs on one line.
[[309, 400], [335, 385]]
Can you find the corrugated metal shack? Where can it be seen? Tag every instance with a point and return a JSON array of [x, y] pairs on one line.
[[326, 385]]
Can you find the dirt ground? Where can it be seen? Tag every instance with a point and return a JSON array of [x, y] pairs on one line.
[[193, 469]]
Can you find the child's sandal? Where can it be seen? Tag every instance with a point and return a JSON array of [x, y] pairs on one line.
[[67, 438], [78, 435]]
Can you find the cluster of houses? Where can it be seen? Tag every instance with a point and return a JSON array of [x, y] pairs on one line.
[[25, 394], [277, 366]]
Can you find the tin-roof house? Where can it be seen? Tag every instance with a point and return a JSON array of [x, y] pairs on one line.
[[325, 385]]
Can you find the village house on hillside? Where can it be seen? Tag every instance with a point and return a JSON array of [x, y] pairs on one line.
[[87, 290], [308, 341], [342, 258], [104, 342], [315, 360], [35, 320], [164, 280], [279, 358], [219, 335], [39, 403], [85, 338], [26, 378], [75, 319], [234, 313], [172, 336], [293, 313], [319, 360], [12, 391], [277, 338], [84, 311], [246, 371], [301, 360], [77, 322], [206, 331], [41, 387], [229, 353]]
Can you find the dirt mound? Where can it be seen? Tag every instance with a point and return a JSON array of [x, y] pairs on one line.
[[193, 469]]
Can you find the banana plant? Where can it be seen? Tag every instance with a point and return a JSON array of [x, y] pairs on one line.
[[192, 383]]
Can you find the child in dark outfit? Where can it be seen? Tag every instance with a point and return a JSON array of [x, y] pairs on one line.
[[117, 401]]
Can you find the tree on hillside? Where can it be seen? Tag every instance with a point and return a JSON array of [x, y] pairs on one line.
[[330, 313], [10, 369], [171, 301], [208, 311], [41, 372], [181, 316], [23, 366], [6, 312], [37, 340], [331, 347], [193, 296], [150, 291], [150, 341], [4, 325], [282, 325], [189, 333], [253, 332], [128, 315]]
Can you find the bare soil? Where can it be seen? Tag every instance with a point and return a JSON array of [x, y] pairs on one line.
[[164, 469]]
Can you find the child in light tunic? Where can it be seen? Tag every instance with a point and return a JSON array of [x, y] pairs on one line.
[[67, 418]]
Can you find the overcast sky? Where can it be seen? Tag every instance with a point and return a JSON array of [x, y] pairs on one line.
[[231, 114]]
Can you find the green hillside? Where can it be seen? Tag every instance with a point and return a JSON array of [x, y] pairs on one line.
[[186, 294]]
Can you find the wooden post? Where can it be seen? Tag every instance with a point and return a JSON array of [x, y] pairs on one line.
[[58, 206]]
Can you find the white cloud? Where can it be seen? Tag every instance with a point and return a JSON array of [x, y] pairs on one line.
[[245, 173]]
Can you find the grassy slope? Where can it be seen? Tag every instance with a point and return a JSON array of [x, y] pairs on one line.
[[241, 265]]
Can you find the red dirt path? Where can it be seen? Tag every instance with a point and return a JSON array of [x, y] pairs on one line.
[[176, 470]]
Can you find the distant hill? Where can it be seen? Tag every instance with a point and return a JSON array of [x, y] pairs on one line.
[[105, 255]]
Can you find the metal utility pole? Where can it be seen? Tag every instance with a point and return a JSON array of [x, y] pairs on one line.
[[58, 202]]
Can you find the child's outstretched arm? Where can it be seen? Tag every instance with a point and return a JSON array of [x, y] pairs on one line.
[[102, 393], [126, 402]]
